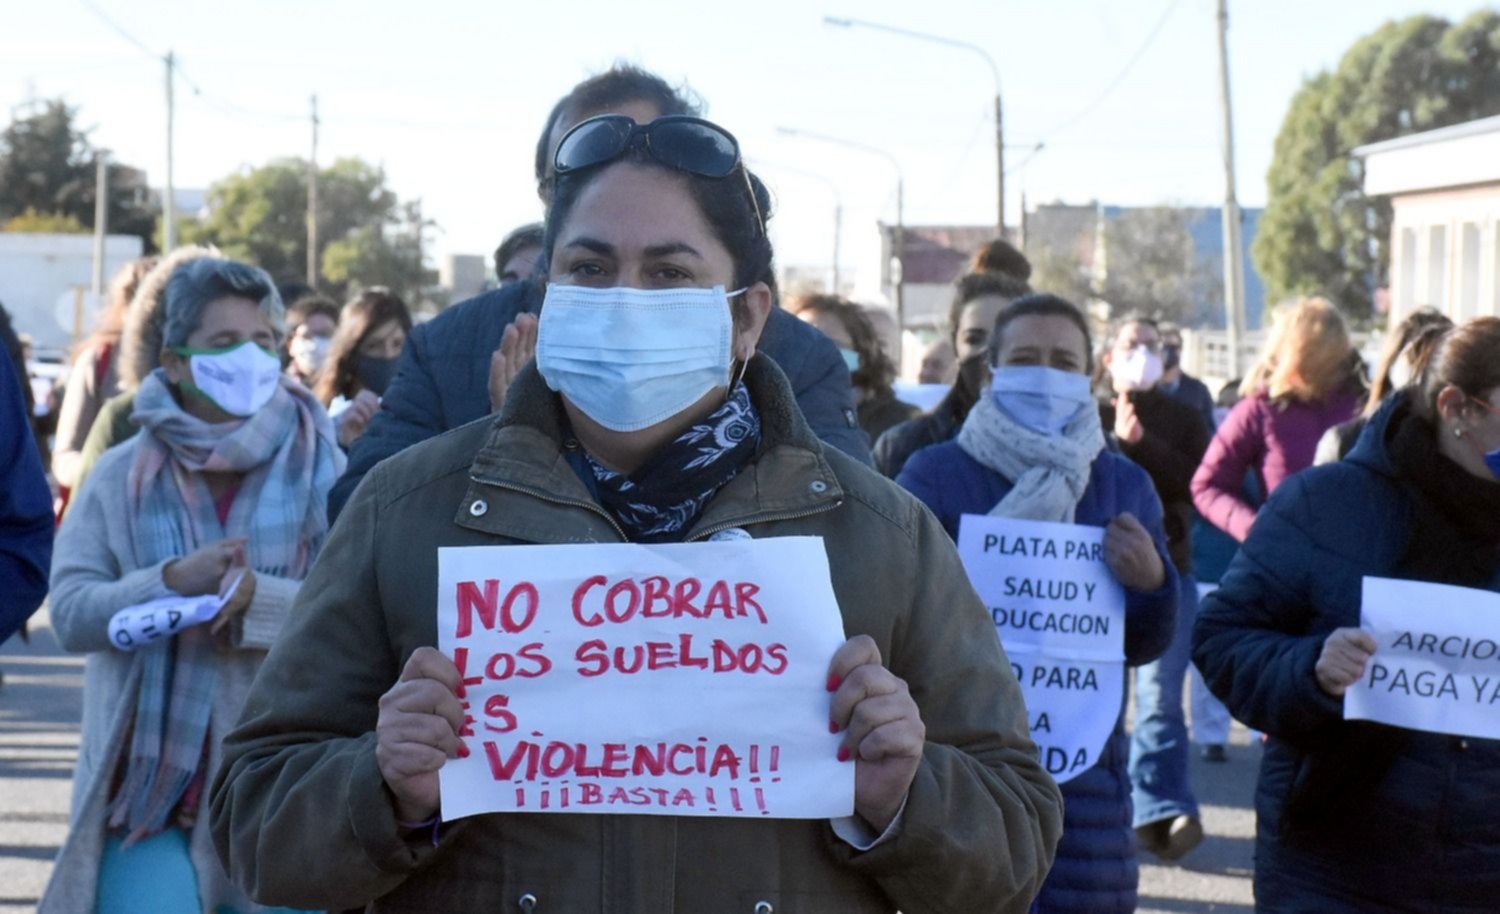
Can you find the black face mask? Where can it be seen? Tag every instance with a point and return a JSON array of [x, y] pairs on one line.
[[1171, 357], [374, 373]]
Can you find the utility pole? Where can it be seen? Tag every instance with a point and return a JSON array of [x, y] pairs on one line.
[[900, 264], [1234, 269], [1000, 160], [101, 221], [838, 230], [312, 202], [169, 201]]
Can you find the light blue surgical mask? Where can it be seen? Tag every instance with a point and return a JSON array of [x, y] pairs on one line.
[[632, 358], [1042, 399], [851, 358]]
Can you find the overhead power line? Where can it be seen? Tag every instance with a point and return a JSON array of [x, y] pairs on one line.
[[1119, 77]]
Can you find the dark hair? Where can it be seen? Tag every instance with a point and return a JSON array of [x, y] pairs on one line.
[[1413, 338], [305, 307], [978, 285], [621, 83], [369, 311], [1042, 304], [1466, 357], [876, 371], [967, 388], [1134, 317], [519, 239], [724, 202], [1000, 256], [291, 290]]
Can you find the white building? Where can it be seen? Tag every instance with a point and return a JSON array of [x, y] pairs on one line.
[[1444, 187], [45, 282]]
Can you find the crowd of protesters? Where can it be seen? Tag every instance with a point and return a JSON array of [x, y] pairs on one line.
[[221, 436]]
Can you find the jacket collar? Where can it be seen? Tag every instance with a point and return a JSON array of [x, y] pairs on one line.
[[522, 485]]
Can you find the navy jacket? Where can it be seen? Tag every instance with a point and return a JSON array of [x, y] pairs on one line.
[[1095, 870], [442, 380], [1350, 816], [25, 510]]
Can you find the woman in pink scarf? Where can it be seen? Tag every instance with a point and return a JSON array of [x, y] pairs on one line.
[[223, 493]]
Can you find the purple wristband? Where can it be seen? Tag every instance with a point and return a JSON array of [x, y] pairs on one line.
[[435, 823]]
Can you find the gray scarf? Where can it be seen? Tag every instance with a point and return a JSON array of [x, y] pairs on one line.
[[1048, 473]]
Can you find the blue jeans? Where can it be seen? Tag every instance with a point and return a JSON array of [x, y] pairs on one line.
[[1159, 786]]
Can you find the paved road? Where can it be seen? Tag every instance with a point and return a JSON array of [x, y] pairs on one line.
[[39, 716]]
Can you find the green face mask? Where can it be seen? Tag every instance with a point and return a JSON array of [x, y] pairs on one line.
[[238, 379]]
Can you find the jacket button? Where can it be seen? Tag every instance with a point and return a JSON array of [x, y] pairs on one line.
[[478, 508], [527, 902], [818, 486], [1463, 744], [764, 907]]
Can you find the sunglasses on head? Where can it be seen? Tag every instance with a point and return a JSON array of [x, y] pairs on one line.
[[688, 144]]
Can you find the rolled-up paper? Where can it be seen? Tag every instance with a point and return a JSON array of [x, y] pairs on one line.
[[136, 626]]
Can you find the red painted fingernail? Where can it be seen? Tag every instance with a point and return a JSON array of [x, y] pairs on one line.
[[834, 682], [833, 726], [843, 754]]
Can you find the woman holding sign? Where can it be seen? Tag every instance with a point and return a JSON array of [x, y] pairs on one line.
[[223, 487], [1034, 449], [646, 419], [1353, 815]]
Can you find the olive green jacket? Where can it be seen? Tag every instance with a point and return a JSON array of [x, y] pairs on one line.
[[301, 816]]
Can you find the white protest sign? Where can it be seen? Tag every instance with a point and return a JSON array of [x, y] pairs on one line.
[[136, 626], [681, 679], [1437, 660], [1060, 614]]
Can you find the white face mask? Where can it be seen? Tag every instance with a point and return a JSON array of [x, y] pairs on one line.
[[1042, 399], [1140, 369], [239, 379], [309, 352], [632, 358]]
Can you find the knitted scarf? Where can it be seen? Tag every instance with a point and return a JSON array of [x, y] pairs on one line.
[[289, 458], [657, 502], [1048, 473]]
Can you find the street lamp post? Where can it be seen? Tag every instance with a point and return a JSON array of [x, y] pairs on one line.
[[994, 69], [900, 240]]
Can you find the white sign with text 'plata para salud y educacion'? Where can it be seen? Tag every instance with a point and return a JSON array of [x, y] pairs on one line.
[[1060, 614]]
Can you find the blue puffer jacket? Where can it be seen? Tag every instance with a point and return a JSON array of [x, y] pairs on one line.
[[1350, 816], [1095, 870], [25, 509], [442, 380]]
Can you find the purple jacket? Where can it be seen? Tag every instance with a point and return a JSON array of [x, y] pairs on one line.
[[1272, 439]]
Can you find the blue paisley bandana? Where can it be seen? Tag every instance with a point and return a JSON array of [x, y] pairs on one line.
[[663, 498]]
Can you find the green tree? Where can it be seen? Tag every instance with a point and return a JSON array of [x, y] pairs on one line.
[[48, 167], [1155, 269], [365, 235], [1320, 233], [1058, 271]]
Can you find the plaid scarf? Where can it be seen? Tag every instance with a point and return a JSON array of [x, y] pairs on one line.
[[1048, 473], [659, 501], [289, 458]]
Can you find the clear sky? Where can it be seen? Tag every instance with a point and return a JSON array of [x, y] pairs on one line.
[[449, 95]]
